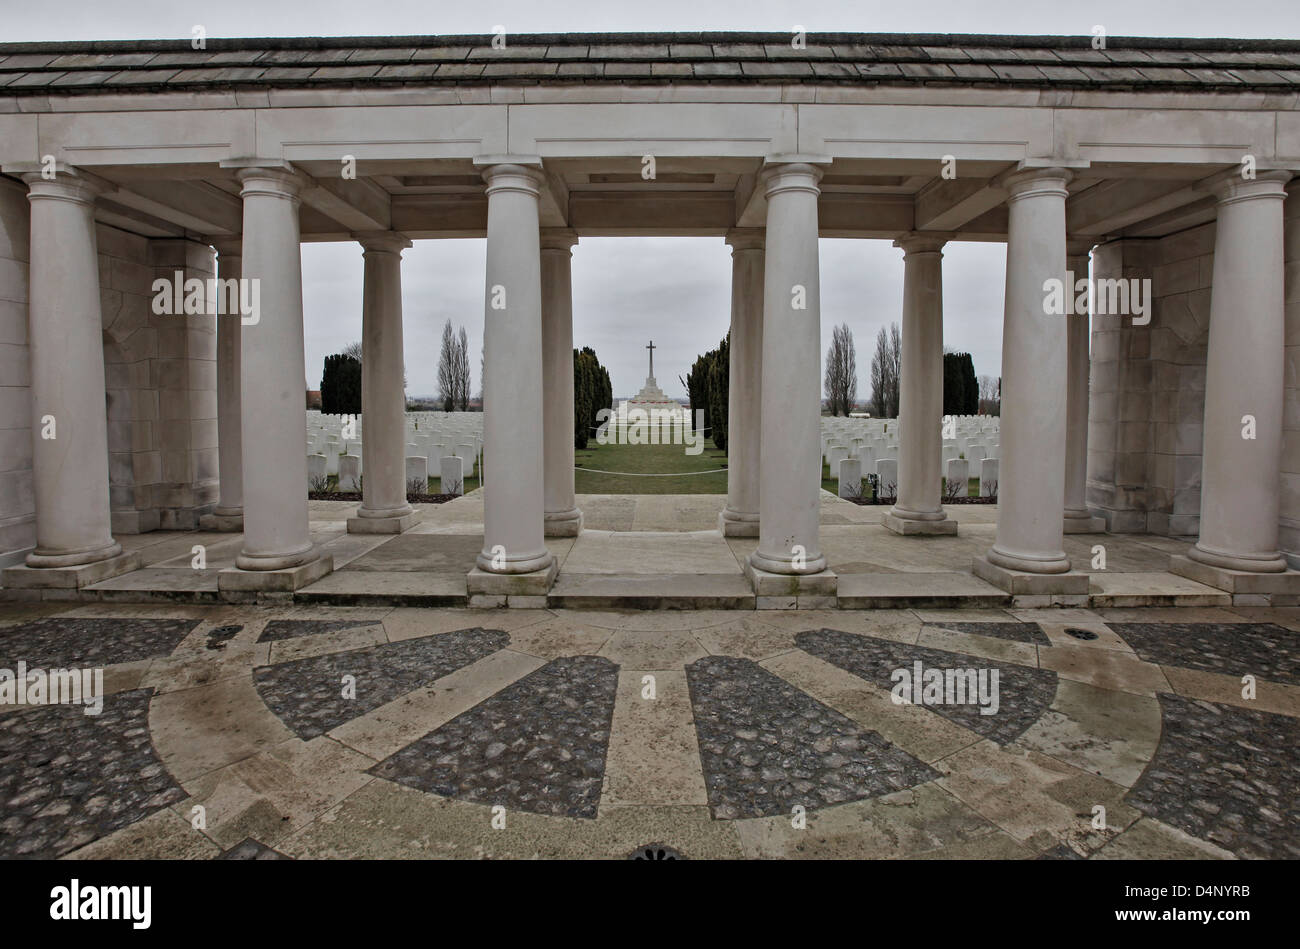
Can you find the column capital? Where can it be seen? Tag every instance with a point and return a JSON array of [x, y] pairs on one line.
[[270, 177], [512, 173], [557, 239], [382, 242], [68, 183], [747, 238], [1230, 187], [921, 242], [1035, 182], [779, 175]]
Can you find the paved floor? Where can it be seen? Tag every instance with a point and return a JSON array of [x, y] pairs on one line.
[[661, 545], [250, 733]]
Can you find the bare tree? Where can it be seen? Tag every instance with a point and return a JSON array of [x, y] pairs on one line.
[[895, 370], [879, 371], [447, 369], [990, 395], [462, 371], [841, 383]]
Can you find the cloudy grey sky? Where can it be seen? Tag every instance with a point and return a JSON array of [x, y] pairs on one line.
[[628, 290]]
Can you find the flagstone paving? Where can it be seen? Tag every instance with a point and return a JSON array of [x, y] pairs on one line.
[[567, 733]]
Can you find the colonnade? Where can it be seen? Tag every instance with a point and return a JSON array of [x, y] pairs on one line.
[[774, 473]]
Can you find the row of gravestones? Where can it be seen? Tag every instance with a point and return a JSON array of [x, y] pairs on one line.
[[449, 442], [854, 447]]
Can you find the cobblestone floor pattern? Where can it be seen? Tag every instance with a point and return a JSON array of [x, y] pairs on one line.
[[766, 746], [90, 641], [538, 745], [712, 769], [1015, 632], [1262, 649], [1229, 775], [67, 778], [308, 694], [1023, 693], [281, 629]]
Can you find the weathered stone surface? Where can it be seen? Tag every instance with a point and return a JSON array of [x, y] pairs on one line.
[[1023, 693], [90, 641], [67, 778], [1226, 775], [538, 745], [766, 746], [1259, 649], [307, 694]]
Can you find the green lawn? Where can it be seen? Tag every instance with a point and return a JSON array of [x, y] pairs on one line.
[[649, 459]]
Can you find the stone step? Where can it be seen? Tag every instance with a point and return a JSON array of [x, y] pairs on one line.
[[903, 591], [594, 591]]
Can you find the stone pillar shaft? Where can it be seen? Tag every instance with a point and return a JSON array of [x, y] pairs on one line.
[[230, 455], [69, 426], [514, 500], [384, 508], [740, 518], [919, 508], [1244, 380], [790, 453], [1077, 518], [1031, 475], [272, 379], [562, 517]]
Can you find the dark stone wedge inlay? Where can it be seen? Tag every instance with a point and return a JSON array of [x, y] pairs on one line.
[[307, 694], [1227, 775], [1265, 650], [1024, 693], [278, 629], [1016, 632], [766, 746], [538, 745], [67, 778], [90, 641]]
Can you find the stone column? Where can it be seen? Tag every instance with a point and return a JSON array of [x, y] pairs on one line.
[[277, 535], [228, 515], [1031, 475], [562, 517], [744, 400], [919, 508], [1077, 519], [69, 424], [789, 543], [383, 509], [514, 502], [1244, 383]]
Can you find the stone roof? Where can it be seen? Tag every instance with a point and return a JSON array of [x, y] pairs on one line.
[[837, 58]]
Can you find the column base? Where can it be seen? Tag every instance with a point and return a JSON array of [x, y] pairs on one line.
[[397, 524], [527, 590], [737, 523], [236, 580], [1274, 563], [76, 558], [1084, 523], [815, 590], [562, 523], [1056, 589], [72, 576], [266, 563], [220, 521], [911, 525], [1248, 588]]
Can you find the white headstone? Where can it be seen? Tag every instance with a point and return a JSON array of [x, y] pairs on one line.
[[850, 477], [316, 475], [349, 472], [957, 479], [417, 474], [887, 477], [989, 478], [452, 473]]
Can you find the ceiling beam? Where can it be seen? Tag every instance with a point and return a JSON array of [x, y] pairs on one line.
[[356, 203], [947, 204], [1113, 205]]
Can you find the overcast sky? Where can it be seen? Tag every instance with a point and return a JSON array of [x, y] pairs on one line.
[[629, 290]]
